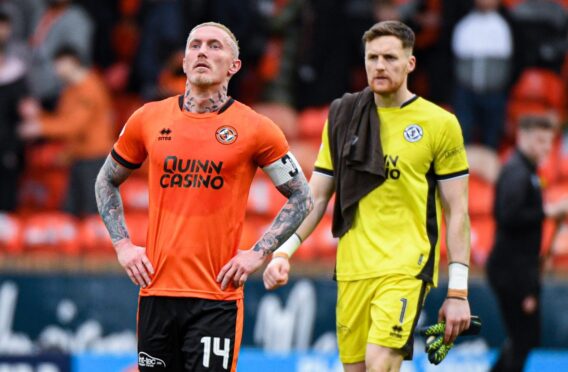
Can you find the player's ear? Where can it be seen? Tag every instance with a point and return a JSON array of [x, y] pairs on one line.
[[235, 67], [411, 63], [183, 65]]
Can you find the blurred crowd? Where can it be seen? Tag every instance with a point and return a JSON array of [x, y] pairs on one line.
[[72, 71]]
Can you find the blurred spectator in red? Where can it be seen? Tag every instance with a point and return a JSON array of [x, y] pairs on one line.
[[83, 119], [12, 90], [483, 48], [61, 24]]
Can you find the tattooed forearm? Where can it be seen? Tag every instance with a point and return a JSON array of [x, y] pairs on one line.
[[109, 201], [299, 204], [202, 104]]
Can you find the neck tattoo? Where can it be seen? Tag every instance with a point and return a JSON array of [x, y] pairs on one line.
[[208, 102]]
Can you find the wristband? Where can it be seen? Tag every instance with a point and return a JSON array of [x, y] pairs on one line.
[[280, 254], [457, 285], [289, 247]]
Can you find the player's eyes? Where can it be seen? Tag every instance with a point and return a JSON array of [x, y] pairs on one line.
[[215, 46], [194, 46]]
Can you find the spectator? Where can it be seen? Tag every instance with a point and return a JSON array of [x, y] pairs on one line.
[[83, 119], [513, 265], [483, 48], [12, 90], [161, 34], [542, 26], [61, 24]]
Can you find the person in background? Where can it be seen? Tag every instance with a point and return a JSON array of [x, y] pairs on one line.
[[61, 24], [513, 267], [482, 44], [83, 119], [13, 90]]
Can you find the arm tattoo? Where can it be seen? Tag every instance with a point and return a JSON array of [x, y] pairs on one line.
[[109, 201], [299, 204]]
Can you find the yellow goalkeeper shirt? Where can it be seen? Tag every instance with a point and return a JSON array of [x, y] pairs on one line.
[[396, 229]]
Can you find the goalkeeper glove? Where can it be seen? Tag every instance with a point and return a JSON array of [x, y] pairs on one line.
[[435, 347]]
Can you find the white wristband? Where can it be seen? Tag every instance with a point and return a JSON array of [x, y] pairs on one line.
[[458, 273], [290, 246]]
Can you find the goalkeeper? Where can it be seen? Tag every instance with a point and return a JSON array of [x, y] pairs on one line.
[[390, 181]]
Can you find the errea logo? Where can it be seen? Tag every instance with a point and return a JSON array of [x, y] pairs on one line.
[[146, 360], [165, 134]]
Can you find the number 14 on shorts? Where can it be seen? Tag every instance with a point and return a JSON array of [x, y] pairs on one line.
[[224, 352]]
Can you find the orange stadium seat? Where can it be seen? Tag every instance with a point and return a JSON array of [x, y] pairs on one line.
[[537, 91], [253, 229], [482, 237], [94, 237], [46, 155], [264, 198], [321, 241], [43, 189], [10, 234], [311, 122], [134, 192], [540, 86], [51, 233], [481, 196], [306, 153], [137, 224], [556, 192]]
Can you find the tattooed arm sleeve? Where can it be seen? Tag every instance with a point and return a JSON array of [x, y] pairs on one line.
[[109, 201], [291, 182]]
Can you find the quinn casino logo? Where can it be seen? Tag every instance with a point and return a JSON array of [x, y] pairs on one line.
[[226, 135]]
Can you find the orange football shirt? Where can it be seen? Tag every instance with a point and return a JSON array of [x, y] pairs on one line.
[[200, 171]]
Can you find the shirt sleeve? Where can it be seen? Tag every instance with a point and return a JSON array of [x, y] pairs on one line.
[[130, 150], [450, 158], [272, 144], [323, 162]]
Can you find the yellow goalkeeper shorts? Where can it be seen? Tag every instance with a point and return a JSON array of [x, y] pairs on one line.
[[381, 311]]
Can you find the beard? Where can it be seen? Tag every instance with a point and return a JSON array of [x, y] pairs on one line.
[[201, 80]]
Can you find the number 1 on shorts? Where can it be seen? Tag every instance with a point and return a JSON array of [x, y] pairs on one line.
[[403, 310]]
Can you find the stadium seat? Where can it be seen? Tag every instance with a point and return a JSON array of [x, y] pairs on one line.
[[51, 233], [94, 237], [137, 224], [556, 192], [321, 242], [306, 153], [482, 237], [253, 229], [483, 162], [134, 192], [537, 91], [46, 155], [264, 199], [42, 190], [10, 234], [311, 122], [481, 196]]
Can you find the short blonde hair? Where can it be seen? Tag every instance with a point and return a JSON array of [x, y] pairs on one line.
[[233, 42]]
